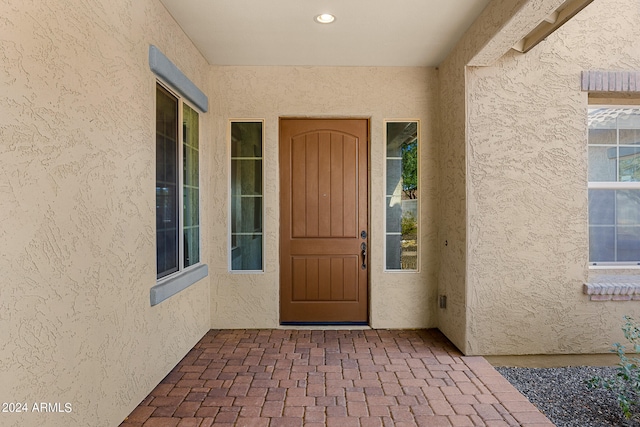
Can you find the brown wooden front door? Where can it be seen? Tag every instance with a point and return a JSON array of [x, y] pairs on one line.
[[324, 217]]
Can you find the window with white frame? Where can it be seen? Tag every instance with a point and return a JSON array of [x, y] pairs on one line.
[[177, 179], [402, 195], [246, 196], [614, 185]]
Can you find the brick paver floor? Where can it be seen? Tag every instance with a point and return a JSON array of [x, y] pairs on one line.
[[332, 378]]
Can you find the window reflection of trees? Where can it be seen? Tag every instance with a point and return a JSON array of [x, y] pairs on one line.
[[402, 196]]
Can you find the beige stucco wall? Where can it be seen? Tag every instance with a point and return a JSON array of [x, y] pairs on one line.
[[526, 177], [77, 171], [398, 300], [500, 25], [452, 230]]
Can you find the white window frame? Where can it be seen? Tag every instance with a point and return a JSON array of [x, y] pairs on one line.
[[419, 197], [230, 200], [611, 185]]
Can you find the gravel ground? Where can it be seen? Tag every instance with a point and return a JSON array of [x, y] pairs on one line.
[[562, 395]]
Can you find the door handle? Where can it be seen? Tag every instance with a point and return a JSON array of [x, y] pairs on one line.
[[363, 246]]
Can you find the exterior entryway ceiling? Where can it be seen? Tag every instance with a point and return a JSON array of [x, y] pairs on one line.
[[365, 32]]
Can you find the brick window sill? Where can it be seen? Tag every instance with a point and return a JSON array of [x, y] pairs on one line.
[[613, 290]]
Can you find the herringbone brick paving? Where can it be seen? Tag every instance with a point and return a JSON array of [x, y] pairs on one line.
[[332, 378]]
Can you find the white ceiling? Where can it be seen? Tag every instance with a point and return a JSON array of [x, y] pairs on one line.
[[365, 33]]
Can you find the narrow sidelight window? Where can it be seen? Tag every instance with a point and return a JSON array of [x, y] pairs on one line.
[[191, 186], [246, 196], [614, 185], [402, 195], [177, 178]]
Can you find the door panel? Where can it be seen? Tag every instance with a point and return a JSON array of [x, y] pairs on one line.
[[338, 276], [324, 185], [324, 208]]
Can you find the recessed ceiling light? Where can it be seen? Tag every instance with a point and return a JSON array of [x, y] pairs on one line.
[[325, 18]]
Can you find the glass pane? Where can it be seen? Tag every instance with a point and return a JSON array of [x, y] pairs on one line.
[[191, 211], [619, 159], [394, 252], [191, 202], [601, 244], [409, 259], [628, 207], [190, 127], [410, 169], [246, 214], [246, 139], [394, 177], [246, 195], [246, 177], [394, 216], [628, 118], [409, 220], [167, 251], [191, 165], [602, 164], [166, 160], [166, 182], [603, 136], [601, 207], [630, 136], [398, 135], [629, 164], [246, 252], [614, 232], [191, 245], [628, 239], [401, 254], [402, 196], [603, 118]]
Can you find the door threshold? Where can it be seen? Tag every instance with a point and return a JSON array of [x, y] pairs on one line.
[[325, 325]]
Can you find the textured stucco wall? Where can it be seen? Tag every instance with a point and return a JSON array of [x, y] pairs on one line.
[[527, 192], [452, 230], [500, 25], [398, 300], [77, 171]]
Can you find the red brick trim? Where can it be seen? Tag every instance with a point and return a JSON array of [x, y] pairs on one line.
[[611, 81], [612, 291]]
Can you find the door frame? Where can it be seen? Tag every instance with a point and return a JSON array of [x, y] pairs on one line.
[[369, 223]]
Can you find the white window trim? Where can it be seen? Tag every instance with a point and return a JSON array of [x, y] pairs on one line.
[[229, 200], [610, 185], [384, 198]]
